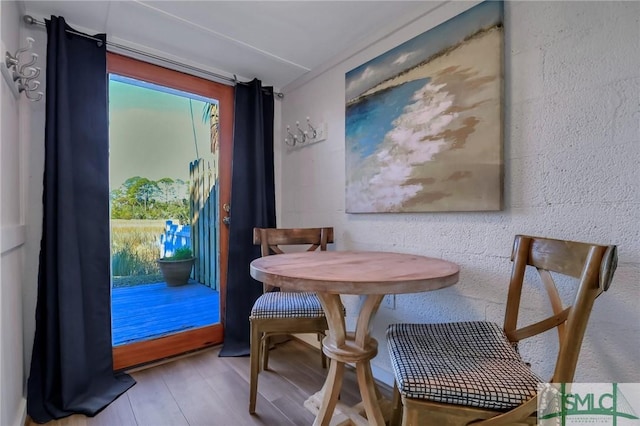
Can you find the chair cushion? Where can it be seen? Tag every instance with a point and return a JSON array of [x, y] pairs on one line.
[[282, 304], [466, 363]]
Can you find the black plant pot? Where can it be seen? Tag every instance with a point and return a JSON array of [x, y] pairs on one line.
[[176, 272]]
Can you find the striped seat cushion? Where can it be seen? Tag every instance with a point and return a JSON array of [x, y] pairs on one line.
[[466, 363], [281, 304]]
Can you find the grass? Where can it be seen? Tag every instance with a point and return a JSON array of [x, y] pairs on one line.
[[134, 251]]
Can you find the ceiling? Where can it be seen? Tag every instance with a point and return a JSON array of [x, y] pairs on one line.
[[276, 41]]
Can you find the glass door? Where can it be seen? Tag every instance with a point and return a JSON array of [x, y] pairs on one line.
[[170, 157]]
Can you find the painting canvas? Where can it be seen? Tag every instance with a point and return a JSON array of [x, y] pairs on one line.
[[424, 120]]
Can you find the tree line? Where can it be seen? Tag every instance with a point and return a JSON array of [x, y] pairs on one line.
[[142, 198]]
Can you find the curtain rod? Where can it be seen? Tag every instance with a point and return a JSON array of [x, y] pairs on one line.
[[30, 20]]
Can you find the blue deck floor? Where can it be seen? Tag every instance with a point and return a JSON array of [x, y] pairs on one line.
[[152, 310]]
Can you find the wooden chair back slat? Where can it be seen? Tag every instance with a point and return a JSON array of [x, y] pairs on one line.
[[592, 264], [519, 258], [540, 326], [273, 250], [293, 236], [260, 237], [564, 257], [554, 299], [269, 240], [588, 290]]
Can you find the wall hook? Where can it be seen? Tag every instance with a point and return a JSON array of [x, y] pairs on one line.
[[291, 139], [303, 133], [314, 132], [23, 73]]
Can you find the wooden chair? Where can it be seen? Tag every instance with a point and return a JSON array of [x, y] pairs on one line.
[[471, 372], [279, 312]]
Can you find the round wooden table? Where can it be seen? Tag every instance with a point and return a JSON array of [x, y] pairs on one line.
[[372, 274]]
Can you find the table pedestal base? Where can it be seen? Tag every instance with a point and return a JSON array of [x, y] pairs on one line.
[[349, 347]]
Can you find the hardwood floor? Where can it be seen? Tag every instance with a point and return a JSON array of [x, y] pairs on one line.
[[205, 390]]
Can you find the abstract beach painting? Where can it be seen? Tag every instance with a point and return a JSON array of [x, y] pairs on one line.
[[424, 120]]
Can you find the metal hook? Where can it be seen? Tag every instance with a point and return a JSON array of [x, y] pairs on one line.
[[28, 95], [303, 133], [35, 72], [34, 58], [314, 132], [10, 60], [31, 88], [24, 86], [291, 139], [20, 51]]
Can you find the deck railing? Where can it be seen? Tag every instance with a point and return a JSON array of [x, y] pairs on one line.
[[204, 225], [174, 237]]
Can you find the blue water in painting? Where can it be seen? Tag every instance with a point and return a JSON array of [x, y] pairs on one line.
[[368, 121]]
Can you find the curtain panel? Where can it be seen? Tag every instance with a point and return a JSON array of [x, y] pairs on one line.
[[72, 364], [252, 204]]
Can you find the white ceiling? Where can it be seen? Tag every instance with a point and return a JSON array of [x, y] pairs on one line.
[[276, 41]]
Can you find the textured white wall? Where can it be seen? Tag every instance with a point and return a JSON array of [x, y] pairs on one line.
[[572, 171], [12, 232], [32, 137]]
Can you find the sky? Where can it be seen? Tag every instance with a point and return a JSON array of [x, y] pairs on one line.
[[414, 51], [150, 132]]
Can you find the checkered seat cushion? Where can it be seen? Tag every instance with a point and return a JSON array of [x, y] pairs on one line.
[[284, 304], [466, 363]]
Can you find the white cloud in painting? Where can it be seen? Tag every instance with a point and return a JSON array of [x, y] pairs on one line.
[[382, 70], [368, 73], [359, 84], [404, 58]]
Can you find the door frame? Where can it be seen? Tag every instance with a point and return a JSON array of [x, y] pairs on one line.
[[135, 354]]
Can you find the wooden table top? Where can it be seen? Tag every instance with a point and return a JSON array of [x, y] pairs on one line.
[[355, 272]]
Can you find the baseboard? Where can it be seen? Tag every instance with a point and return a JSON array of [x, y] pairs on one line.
[[21, 415], [382, 376], [309, 339]]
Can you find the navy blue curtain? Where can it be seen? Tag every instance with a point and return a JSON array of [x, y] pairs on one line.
[[72, 363], [252, 204]]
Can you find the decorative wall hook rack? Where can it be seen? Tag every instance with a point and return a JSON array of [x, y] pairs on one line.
[[301, 135], [20, 71]]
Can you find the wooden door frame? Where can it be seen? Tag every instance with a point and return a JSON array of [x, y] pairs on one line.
[[152, 350]]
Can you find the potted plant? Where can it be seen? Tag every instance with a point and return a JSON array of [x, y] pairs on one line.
[[177, 268]]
